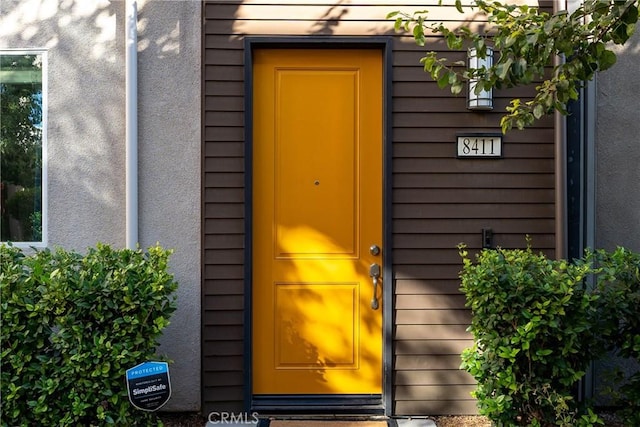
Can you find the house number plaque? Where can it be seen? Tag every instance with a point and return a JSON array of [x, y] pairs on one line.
[[476, 145]]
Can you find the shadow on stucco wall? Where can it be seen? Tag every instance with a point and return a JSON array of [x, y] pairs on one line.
[[618, 172], [618, 151], [86, 140], [85, 132]]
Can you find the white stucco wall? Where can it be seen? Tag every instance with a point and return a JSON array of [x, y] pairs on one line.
[[618, 151], [169, 128], [86, 134], [618, 166]]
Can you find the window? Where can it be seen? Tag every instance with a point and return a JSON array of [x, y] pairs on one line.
[[23, 124]]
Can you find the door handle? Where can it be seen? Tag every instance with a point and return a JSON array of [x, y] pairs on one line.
[[374, 272]]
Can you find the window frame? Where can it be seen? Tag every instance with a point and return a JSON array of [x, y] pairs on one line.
[[45, 158]]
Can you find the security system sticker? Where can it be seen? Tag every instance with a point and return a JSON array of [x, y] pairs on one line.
[[149, 385]]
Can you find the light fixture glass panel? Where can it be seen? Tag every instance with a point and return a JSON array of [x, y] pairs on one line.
[[482, 100]]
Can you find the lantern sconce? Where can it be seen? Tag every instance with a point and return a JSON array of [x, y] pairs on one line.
[[484, 99]]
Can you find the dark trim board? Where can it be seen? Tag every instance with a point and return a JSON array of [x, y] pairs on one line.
[[346, 404], [388, 318], [248, 223]]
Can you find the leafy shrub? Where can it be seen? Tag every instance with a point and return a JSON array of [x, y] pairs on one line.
[[72, 325], [533, 336], [618, 284], [537, 326]]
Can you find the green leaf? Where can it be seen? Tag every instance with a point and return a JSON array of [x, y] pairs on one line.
[[418, 35], [607, 59], [457, 87], [630, 16], [453, 78], [398, 24], [443, 80], [428, 62], [511, 39], [459, 6], [538, 111], [502, 69]]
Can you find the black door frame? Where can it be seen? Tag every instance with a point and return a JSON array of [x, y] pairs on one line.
[[321, 404]]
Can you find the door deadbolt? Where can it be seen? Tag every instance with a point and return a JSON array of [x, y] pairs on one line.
[[374, 250]]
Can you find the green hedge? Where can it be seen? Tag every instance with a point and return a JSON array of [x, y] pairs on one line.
[[537, 326], [618, 310], [72, 325]]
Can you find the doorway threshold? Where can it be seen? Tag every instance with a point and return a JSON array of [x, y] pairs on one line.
[[318, 405]]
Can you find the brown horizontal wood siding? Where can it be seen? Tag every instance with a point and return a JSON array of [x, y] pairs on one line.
[[224, 214], [438, 201]]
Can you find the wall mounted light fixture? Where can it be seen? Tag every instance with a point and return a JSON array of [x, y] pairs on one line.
[[484, 99]]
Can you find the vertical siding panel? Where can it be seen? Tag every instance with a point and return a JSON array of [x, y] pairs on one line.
[[438, 200]]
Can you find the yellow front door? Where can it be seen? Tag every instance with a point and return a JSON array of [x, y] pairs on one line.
[[317, 213]]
